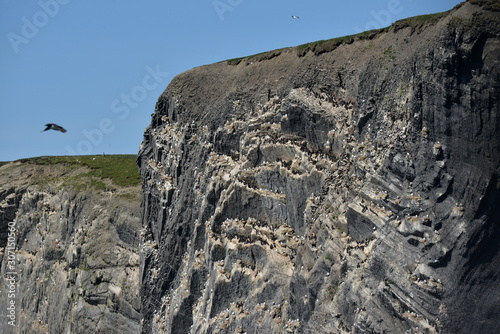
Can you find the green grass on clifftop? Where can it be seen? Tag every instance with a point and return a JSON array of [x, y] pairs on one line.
[[322, 46], [120, 169]]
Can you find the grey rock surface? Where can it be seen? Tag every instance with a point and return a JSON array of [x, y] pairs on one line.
[[353, 189], [75, 253]]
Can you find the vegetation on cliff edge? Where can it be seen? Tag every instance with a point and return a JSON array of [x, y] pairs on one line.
[[322, 46], [114, 173]]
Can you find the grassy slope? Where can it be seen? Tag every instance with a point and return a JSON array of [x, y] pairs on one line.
[[120, 169], [322, 46], [116, 173]]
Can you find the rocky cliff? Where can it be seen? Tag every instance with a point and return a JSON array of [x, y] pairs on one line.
[[343, 186], [70, 245]]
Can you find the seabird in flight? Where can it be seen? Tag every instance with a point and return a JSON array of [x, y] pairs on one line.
[[52, 126], [295, 17]]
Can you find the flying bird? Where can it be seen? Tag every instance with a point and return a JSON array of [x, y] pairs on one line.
[[52, 126], [295, 17]]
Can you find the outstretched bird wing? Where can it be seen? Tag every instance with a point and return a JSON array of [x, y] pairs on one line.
[[52, 126], [59, 128]]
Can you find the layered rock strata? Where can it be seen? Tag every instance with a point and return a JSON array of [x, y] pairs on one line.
[[71, 264], [351, 190]]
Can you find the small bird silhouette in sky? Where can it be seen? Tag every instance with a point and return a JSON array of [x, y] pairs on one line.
[[295, 17], [52, 126]]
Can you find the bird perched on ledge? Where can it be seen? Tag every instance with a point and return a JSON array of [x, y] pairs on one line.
[[52, 126]]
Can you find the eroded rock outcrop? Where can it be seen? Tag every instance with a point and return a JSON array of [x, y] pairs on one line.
[[345, 190], [75, 251]]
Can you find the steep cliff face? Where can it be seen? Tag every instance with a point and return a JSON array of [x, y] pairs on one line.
[[348, 186], [69, 249]]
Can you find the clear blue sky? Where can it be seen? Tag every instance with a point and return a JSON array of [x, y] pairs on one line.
[[97, 67]]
